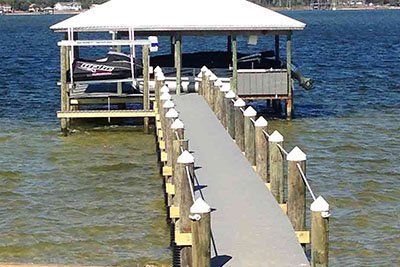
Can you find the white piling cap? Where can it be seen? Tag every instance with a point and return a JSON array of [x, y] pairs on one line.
[[225, 87], [177, 124], [320, 205], [165, 96], [230, 94], [172, 113], [185, 158], [240, 103], [204, 68], [168, 104], [261, 122], [160, 76], [218, 83], [275, 137], [213, 77], [164, 89], [296, 155], [250, 112], [200, 206], [157, 69]]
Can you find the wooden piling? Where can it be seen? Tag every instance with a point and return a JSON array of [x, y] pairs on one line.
[[319, 233], [230, 113], [64, 86], [184, 194], [261, 126], [178, 63], [200, 214], [239, 123], [222, 111], [234, 64], [289, 101], [296, 204], [146, 77], [249, 135], [275, 162], [206, 87], [170, 116]]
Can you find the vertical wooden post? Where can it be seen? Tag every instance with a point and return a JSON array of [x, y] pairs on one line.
[[203, 80], [160, 78], [170, 116], [296, 204], [289, 101], [277, 52], [239, 123], [178, 63], [146, 77], [185, 202], [249, 135], [200, 213], [64, 86], [164, 97], [276, 166], [234, 64], [206, 87], [212, 95], [230, 113], [222, 111], [261, 125], [319, 233]]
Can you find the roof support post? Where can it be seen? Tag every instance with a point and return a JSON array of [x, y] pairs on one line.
[[146, 77], [234, 64], [289, 101], [178, 62], [277, 56]]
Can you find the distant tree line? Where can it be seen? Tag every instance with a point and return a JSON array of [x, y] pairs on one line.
[[24, 4]]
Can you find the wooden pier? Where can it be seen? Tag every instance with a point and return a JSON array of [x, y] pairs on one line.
[[234, 195], [254, 220]]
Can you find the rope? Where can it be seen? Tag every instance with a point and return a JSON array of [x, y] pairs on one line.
[[305, 181], [253, 120], [241, 109], [282, 149], [265, 132], [190, 183]]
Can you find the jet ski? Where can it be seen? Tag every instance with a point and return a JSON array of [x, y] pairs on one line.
[[114, 66]]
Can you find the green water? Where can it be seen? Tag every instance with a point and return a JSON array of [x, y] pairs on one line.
[[94, 197]]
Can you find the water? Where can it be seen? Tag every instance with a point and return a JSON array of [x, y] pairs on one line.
[[95, 197]]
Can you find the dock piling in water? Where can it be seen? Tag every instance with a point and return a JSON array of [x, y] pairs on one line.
[[276, 166], [249, 134], [319, 232], [261, 126], [200, 214]]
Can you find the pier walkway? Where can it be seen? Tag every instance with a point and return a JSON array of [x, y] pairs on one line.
[[248, 226]]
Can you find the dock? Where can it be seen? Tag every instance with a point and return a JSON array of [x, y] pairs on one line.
[[248, 225], [234, 195]]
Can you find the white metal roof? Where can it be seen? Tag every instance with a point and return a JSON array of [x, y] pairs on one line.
[[179, 15]]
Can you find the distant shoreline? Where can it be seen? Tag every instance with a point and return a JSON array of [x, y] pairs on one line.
[[296, 8]]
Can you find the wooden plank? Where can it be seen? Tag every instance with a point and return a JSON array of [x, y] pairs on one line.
[[170, 188], [161, 145], [164, 156], [167, 171], [158, 125], [284, 207], [104, 114], [303, 236], [42, 265], [104, 101], [160, 133], [183, 239], [158, 117], [174, 212]]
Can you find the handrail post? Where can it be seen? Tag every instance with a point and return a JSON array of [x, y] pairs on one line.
[[276, 166], [230, 113], [206, 87], [222, 104], [239, 123], [200, 213], [261, 126], [170, 116], [319, 233], [296, 204], [184, 194], [249, 135]]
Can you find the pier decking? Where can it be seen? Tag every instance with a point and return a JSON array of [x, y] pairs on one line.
[[248, 226]]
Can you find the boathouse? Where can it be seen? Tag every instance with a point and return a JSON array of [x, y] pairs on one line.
[[175, 19]]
